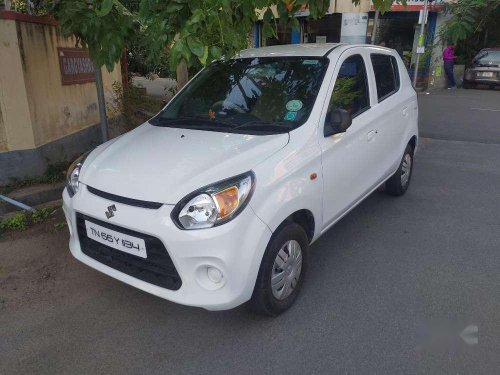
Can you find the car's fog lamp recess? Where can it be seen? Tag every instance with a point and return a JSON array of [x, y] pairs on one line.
[[210, 276], [214, 275]]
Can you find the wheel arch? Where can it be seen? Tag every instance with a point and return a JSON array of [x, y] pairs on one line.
[[305, 219], [413, 142]]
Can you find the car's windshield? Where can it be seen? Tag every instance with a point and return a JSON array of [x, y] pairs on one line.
[[488, 58], [250, 95]]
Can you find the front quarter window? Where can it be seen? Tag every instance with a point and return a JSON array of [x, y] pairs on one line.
[[249, 95], [350, 92]]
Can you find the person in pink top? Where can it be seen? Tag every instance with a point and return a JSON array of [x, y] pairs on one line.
[[449, 61]]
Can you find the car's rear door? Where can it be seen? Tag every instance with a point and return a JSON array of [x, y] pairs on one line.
[[392, 111]]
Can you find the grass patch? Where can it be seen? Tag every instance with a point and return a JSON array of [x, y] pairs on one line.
[[23, 220], [17, 222], [60, 225], [41, 215]]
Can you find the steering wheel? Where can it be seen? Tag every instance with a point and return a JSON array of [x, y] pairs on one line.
[[229, 105]]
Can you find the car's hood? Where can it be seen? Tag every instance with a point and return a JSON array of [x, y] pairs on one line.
[[164, 164]]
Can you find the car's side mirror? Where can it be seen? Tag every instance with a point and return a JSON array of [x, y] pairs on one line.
[[337, 121]]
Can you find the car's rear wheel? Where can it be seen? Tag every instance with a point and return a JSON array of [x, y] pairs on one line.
[[399, 182], [282, 271]]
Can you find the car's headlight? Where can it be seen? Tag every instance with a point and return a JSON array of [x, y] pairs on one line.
[[214, 204], [73, 174]]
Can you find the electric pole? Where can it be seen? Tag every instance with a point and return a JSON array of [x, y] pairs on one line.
[[420, 43], [375, 24]]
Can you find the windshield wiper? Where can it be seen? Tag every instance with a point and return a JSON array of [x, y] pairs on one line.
[[216, 122], [259, 125], [265, 125]]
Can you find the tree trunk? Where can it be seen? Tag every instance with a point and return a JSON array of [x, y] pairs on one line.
[[101, 102], [124, 66], [182, 74]]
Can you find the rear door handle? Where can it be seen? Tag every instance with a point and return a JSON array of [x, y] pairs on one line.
[[371, 135], [405, 111]]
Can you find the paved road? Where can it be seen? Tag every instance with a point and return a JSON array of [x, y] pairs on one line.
[[388, 292], [461, 115]]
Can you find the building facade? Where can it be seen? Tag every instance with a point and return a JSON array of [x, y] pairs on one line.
[[398, 28], [48, 99]]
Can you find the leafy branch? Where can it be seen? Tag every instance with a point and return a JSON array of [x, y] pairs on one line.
[[193, 31], [469, 17]]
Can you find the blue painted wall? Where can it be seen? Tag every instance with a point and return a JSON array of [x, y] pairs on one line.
[[256, 35], [295, 36]]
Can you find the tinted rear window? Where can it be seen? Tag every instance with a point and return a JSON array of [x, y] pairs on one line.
[[386, 72], [488, 57]]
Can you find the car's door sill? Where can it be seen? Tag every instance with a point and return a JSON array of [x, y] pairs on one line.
[[328, 226]]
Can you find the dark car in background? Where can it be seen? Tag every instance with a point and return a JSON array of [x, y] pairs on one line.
[[485, 69]]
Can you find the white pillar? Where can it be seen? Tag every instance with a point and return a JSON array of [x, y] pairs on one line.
[[353, 29]]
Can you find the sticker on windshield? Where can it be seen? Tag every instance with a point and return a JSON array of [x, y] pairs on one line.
[[310, 62], [290, 116], [294, 105]]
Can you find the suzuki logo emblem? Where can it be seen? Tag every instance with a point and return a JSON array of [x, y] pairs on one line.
[[109, 213]]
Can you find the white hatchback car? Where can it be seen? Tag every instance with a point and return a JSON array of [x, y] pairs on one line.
[[216, 200]]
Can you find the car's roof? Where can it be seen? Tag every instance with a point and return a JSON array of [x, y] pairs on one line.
[[306, 50], [320, 49]]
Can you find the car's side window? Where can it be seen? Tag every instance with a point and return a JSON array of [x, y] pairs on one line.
[[351, 87], [386, 72]]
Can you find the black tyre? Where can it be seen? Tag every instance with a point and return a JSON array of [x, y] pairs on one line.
[[282, 271], [468, 85], [399, 182]]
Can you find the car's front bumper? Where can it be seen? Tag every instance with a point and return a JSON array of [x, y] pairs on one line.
[[235, 248]]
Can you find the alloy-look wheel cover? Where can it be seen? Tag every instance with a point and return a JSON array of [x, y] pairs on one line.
[[286, 270], [406, 170]]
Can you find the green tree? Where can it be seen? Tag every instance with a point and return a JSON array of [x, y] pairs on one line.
[[102, 26], [469, 17], [473, 25], [193, 31]]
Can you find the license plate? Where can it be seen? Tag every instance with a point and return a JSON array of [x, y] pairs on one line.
[[485, 74], [119, 241]]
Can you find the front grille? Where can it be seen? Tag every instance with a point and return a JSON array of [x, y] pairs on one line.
[[157, 268], [125, 200]]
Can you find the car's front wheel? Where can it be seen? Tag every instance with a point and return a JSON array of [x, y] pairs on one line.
[[282, 271], [399, 182]]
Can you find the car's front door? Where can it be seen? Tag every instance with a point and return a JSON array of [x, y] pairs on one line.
[[348, 158]]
